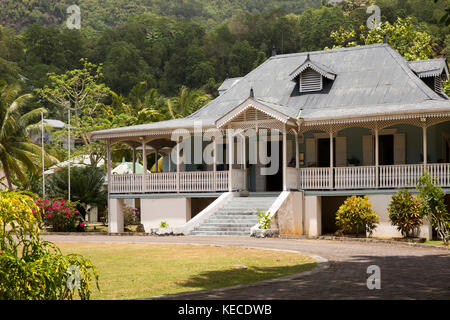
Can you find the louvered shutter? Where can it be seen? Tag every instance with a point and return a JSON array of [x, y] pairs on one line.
[[341, 151], [310, 152], [399, 148], [310, 81], [368, 151]]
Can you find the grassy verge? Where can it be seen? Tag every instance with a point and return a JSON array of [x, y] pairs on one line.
[[435, 242], [129, 270]]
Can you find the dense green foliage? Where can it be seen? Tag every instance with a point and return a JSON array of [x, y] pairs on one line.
[[31, 268], [432, 198], [86, 186], [356, 214], [152, 60], [404, 212], [17, 153]]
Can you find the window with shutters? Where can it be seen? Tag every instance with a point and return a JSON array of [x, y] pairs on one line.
[[310, 81]]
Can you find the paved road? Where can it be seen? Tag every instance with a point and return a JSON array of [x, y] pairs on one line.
[[406, 272]]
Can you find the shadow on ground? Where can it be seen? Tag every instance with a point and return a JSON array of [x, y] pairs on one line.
[[232, 277], [402, 277]]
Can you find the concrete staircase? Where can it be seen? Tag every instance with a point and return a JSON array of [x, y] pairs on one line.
[[236, 216]]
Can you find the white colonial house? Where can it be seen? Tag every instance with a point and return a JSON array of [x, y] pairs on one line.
[[294, 137]]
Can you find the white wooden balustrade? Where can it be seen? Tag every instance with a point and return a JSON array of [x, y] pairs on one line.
[[394, 176], [198, 181]]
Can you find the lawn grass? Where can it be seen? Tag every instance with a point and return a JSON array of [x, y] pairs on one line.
[[131, 270], [435, 242]]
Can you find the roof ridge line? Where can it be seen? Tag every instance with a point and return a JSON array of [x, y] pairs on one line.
[[409, 72], [316, 52]]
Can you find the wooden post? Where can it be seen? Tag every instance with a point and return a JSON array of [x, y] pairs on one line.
[[230, 159], [284, 159], [156, 161], [134, 160], [214, 163], [425, 147], [297, 160], [144, 164], [331, 160], [244, 155], [108, 165], [377, 158], [169, 154], [178, 166]]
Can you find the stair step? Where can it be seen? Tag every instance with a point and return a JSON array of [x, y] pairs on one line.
[[220, 229], [236, 217], [220, 233]]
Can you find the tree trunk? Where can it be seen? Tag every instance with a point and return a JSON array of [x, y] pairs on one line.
[[7, 174]]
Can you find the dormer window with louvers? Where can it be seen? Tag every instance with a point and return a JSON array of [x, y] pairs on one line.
[[310, 75], [432, 72], [310, 81]]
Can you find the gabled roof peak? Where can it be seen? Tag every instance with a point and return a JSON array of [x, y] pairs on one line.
[[316, 66]]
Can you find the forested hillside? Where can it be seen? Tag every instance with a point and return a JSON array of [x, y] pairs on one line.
[[107, 13], [165, 45]]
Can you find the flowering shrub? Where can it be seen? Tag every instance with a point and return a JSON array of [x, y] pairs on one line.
[[30, 267], [131, 216], [60, 215]]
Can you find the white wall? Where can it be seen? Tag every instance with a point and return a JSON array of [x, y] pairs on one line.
[[384, 229], [313, 216], [175, 211]]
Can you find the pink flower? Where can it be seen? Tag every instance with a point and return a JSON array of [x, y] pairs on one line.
[[82, 224], [76, 212], [32, 210], [49, 216], [46, 201]]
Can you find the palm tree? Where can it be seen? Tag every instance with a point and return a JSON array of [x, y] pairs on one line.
[[17, 152], [187, 102]]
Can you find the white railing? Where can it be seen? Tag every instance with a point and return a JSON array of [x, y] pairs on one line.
[[314, 178], [404, 176], [394, 176], [126, 183], [196, 181], [355, 177]]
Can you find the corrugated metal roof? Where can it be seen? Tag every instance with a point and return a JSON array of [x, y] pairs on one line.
[[429, 68], [369, 80], [366, 77]]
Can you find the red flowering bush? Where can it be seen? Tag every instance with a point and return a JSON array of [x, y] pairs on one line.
[[60, 215]]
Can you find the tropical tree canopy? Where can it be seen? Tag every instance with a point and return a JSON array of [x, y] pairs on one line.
[[17, 151]]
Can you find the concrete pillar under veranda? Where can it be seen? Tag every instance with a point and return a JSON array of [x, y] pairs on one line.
[[115, 215]]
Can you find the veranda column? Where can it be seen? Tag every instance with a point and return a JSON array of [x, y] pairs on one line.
[[331, 160], [425, 147], [156, 161], [377, 158], [178, 166], [297, 160], [230, 159], [108, 165], [284, 160], [144, 164], [244, 156], [134, 160], [169, 154], [214, 163]]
